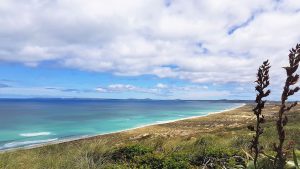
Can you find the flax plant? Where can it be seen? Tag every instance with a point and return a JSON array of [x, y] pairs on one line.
[[262, 83], [288, 90]]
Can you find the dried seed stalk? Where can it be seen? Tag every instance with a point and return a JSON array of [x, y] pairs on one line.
[[294, 59], [262, 83]]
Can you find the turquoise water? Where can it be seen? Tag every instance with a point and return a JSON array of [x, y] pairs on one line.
[[27, 122]]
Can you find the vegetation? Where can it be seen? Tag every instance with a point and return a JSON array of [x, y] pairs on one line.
[[221, 148], [216, 141]]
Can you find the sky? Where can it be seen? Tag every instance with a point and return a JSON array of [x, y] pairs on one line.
[[158, 49]]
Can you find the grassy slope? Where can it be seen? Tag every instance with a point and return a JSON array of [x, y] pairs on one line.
[[217, 139]]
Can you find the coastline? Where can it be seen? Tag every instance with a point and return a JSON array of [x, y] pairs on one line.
[[84, 137]]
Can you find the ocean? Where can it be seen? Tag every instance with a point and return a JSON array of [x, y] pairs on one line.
[[29, 122]]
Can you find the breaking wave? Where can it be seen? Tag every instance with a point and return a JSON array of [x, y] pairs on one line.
[[25, 143], [35, 134]]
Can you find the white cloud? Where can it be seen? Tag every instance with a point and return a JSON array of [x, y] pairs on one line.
[[186, 40], [161, 86], [163, 91], [99, 89], [13, 91], [117, 91], [205, 87], [116, 88], [121, 87]]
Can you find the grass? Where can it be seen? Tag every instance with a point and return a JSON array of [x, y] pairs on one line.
[[176, 145]]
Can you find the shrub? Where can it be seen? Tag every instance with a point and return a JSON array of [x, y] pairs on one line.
[[151, 161], [177, 161], [173, 161], [129, 152]]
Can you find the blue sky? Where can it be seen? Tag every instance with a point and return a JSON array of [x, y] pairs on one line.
[[51, 81], [172, 49]]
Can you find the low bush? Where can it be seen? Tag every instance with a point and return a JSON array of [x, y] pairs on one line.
[[158, 161], [129, 152]]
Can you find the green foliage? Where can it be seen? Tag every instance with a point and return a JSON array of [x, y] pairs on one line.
[[138, 156], [231, 162], [295, 159], [152, 161], [241, 141], [129, 152], [176, 161], [156, 161], [214, 152], [211, 147], [262, 163]]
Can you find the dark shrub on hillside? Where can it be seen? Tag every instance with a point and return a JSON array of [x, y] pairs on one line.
[[174, 161], [177, 161], [152, 161], [129, 152]]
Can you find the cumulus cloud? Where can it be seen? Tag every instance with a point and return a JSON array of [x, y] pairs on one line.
[[125, 91], [168, 92], [112, 88], [161, 86], [121, 87], [100, 89], [198, 41]]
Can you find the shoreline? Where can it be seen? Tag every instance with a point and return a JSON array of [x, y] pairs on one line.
[[60, 141]]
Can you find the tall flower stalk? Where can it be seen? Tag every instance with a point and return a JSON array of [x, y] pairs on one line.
[[262, 83], [292, 78]]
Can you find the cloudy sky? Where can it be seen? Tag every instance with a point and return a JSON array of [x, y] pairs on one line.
[[160, 49]]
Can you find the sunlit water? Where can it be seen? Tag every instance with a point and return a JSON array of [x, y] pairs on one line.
[[28, 122]]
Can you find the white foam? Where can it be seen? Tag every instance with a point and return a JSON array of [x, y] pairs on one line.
[[35, 134], [25, 143], [163, 121]]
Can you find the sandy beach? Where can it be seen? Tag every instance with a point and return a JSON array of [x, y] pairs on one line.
[[143, 129], [218, 122]]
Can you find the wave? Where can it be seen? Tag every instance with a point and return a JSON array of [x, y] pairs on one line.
[[163, 121], [25, 143], [35, 134]]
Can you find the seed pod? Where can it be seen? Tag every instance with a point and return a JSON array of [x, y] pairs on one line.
[[251, 128]]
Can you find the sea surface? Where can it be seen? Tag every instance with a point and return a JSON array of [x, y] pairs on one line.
[[29, 122]]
